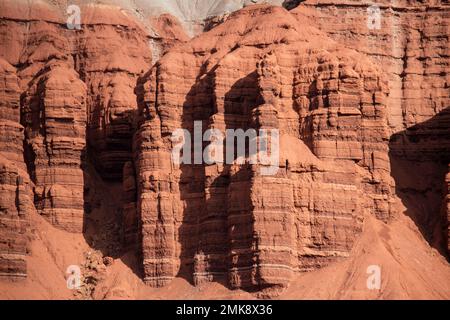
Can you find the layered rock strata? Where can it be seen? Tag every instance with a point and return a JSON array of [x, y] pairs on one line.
[[77, 101], [15, 202], [360, 105], [419, 157], [409, 41], [260, 69], [68, 100], [446, 207]]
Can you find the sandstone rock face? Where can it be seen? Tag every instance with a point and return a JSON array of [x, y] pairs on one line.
[[15, 189], [446, 207], [70, 101], [110, 71], [191, 13], [409, 41], [407, 38], [77, 95], [11, 134], [14, 206], [215, 221], [359, 95], [419, 157]]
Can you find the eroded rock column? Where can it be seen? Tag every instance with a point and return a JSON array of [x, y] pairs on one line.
[[54, 116]]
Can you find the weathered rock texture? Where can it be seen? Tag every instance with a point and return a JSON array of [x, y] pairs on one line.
[[54, 116], [261, 69], [362, 112], [70, 102], [167, 32], [15, 203], [419, 157]]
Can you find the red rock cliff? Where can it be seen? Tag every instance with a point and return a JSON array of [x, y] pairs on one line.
[[86, 119]]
